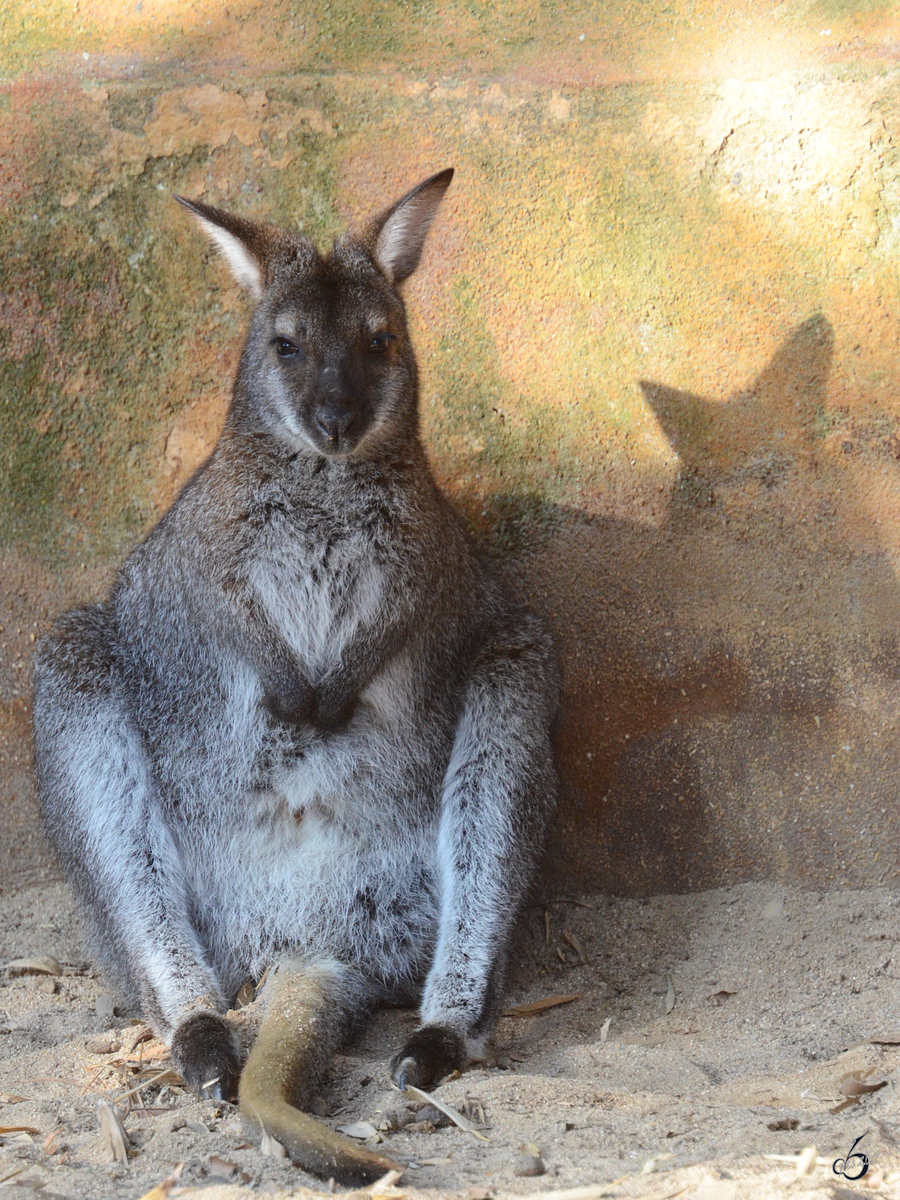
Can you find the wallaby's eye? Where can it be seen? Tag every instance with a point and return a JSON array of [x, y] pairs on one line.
[[379, 342], [285, 347]]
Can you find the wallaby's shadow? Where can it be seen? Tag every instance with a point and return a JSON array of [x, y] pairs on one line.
[[713, 663], [759, 437]]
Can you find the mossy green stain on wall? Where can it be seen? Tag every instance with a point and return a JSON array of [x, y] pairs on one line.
[[626, 40], [30, 463], [465, 372], [118, 295], [100, 337], [512, 462], [854, 10]]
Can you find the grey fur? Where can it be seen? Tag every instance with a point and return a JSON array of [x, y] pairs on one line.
[[308, 721]]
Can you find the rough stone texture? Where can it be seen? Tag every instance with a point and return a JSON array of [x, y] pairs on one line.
[[658, 324]]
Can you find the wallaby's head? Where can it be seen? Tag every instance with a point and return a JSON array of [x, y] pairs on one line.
[[328, 366]]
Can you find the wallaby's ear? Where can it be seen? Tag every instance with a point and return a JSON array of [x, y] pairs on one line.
[[398, 235], [245, 244]]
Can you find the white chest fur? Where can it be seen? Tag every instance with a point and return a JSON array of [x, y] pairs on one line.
[[318, 590]]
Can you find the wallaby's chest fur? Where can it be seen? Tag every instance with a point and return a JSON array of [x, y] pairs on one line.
[[340, 826], [316, 554]]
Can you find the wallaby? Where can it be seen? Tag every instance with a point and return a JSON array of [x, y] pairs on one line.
[[309, 726]]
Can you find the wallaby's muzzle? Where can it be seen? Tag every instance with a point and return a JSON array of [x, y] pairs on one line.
[[337, 418], [336, 423]]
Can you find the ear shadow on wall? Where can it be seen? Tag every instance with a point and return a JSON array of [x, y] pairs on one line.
[[758, 435], [711, 661]]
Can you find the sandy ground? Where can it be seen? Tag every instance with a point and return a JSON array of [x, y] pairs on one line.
[[778, 996]]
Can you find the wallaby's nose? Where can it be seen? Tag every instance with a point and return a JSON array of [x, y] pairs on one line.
[[334, 420]]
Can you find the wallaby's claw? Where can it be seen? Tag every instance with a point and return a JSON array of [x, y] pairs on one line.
[[204, 1048], [215, 1089], [405, 1072], [431, 1053]]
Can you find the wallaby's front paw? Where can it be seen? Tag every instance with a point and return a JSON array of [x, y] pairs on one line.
[[204, 1048], [431, 1053]]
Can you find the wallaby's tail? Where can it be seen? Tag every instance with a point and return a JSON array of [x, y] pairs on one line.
[[297, 1033]]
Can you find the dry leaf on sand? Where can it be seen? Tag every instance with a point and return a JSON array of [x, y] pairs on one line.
[[539, 1006], [164, 1189], [33, 966], [457, 1118], [113, 1131]]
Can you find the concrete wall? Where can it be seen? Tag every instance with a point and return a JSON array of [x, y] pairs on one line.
[[657, 324]]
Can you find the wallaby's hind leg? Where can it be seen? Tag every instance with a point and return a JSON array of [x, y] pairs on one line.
[[306, 1007], [499, 791], [103, 813]]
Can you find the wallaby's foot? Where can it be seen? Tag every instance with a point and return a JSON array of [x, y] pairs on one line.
[[431, 1053], [205, 1049]]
